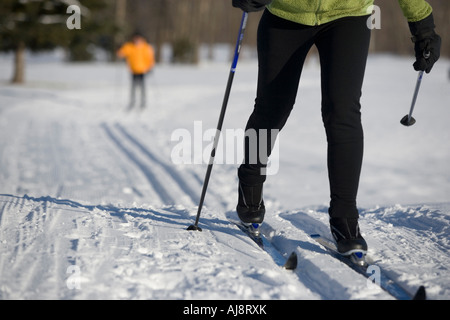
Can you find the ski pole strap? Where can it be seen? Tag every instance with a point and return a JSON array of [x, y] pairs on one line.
[[239, 41]]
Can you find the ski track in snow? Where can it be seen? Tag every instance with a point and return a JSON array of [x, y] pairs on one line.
[[92, 207]]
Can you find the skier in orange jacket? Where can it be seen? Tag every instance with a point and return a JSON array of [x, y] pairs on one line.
[[140, 58]]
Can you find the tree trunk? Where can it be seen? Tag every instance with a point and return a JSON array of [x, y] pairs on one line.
[[120, 17], [19, 64]]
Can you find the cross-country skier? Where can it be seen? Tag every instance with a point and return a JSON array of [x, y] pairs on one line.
[[140, 58], [286, 32]]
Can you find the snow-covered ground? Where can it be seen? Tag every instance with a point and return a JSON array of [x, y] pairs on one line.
[[94, 202]]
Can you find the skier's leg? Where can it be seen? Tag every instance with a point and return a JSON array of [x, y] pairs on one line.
[[343, 48], [134, 81], [282, 48], [143, 92]]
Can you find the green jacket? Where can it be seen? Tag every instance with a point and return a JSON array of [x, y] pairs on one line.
[[316, 12]]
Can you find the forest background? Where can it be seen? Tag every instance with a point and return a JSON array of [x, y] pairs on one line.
[[184, 26]]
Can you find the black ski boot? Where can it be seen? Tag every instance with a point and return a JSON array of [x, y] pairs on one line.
[[348, 236], [250, 206]]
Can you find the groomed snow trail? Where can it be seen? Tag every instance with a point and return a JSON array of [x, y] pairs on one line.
[[92, 205]]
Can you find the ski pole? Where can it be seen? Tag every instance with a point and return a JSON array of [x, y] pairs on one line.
[[408, 120], [221, 118]]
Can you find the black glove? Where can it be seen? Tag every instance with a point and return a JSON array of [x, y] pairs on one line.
[[426, 41], [251, 5]]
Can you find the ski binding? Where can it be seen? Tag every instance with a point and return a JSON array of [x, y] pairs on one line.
[[253, 228], [357, 257]]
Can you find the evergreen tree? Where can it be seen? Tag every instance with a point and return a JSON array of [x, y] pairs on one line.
[[43, 25]]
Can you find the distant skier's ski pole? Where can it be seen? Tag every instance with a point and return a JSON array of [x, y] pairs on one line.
[[221, 118], [408, 120]]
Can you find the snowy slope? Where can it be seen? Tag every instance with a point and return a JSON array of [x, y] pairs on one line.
[[93, 205]]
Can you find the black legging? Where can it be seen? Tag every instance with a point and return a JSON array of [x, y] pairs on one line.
[[343, 48], [137, 82]]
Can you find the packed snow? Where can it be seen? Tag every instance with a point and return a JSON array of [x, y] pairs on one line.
[[95, 199]]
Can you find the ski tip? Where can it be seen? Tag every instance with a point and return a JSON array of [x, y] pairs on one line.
[[315, 235], [421, 294], [291, 262]]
